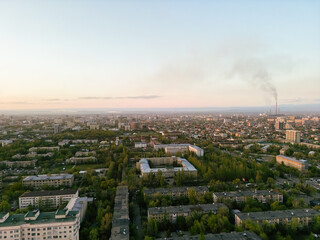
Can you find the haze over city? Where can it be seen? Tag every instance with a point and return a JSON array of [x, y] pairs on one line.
[[158, 54]]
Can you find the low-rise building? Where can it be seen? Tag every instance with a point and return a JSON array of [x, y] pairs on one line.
[[54, 180], [120, 221], [10, 164], [175, 148], [51, 198], [218, 236], [241, 196], [176, 192], [172, 212], [80, 160], [140, 145], [186, 167], [301, 165], [304, 216]]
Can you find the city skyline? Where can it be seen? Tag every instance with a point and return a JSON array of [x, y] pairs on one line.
[[160, 54]]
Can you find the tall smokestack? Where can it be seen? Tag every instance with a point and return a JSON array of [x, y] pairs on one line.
[[276, 106]]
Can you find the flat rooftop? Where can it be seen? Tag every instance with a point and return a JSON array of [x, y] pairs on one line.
[[49, 193], [48, 177], [151, 191], [245, 193], [280, 214], [219, 236], [44, 217], [206, 208]]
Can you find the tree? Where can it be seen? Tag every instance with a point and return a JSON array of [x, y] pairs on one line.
[[152, 227], [106, 224], [94, 234]]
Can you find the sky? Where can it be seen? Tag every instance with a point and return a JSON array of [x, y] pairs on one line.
[[158, 54]]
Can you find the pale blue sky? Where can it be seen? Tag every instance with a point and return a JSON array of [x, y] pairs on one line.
[[57, 54]]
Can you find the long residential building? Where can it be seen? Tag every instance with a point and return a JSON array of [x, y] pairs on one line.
[[80, 160], [174, 148], [301, 165], [218, 236], [36, 225], [172, 212], [120, 221], [186, 167], [304, 216], [241, 196], [51, 199], [31, 163], [176, 192], [53, 180]]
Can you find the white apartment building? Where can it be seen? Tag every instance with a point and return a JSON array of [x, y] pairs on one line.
[[35, 225], [52, 198]]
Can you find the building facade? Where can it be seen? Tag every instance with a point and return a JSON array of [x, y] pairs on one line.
[[293, 136], [52, 199], [304, 216], [186, 167], [172, 212], [301, 165], [241, 196], [36, 225], [54, 180], [176, 192]]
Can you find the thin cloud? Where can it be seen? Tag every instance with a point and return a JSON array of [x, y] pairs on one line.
[[16, 103], [127, 97], [293, 100]]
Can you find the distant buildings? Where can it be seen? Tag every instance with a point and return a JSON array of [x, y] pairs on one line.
[[304, 216], [293, 136], [241, 196], [279, 125], [186, 167], [301, 165], [10, 164], [140, 145], [80, 160], [172, 212], [120, 221], [51, 199], [174, 148], [54, 180], [56, 128]]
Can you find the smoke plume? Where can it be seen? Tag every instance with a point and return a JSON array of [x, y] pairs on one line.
[[255, 73]]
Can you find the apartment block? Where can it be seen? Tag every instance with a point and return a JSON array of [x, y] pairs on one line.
[[172, 212], [54, 180], [120, 221], [80, 160], [219, 236], [301, 165], [293, 136], [304, 216], [176, 192], [175, 148], [241, 196], [52, 198], [186, 167], [36, 225], [10, 164]]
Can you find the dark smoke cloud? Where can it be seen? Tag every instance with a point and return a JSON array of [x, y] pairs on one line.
[[256, 74]]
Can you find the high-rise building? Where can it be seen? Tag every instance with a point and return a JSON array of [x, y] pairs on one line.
[[279, 125], [293, 136], [56, 128]]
